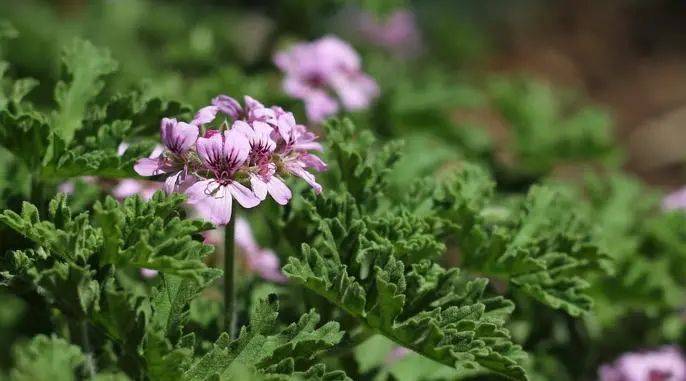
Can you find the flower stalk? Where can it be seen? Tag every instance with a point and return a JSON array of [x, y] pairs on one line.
[[86, 344], [229, 272]]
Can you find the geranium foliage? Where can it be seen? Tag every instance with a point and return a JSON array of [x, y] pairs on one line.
[[401, 211]]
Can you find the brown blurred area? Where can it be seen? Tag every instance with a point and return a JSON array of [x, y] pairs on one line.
[[629, 56]]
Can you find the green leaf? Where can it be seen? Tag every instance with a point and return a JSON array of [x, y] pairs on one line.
[[25, 135], [376, 262], [86, 65], [542, 245], [153, 235], [545, 131], [437, 313], [134, 233], [263, 347], [46, 359]]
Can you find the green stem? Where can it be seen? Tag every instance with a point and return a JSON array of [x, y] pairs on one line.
[[86, 344], [229, 292]]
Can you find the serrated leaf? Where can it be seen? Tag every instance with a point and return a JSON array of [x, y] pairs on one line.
[[46, 359], [264, 348], [86, 65], [542, 245]]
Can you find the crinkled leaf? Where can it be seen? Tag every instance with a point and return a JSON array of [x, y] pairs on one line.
[[541, 245], [265, 348], [86, 65]]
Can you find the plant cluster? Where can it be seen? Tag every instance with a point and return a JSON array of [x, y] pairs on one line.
[[425, 249]]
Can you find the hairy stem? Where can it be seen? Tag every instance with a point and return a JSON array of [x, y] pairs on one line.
[[86, 344], [229, 292]]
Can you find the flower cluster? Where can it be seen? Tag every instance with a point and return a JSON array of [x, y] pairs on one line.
[[315, 70], [664, 364], [244, 158]]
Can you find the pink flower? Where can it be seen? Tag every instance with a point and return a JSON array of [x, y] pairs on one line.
[[263, 145], [130, 187], [228, 106], [262, 170], [258, 260], [178, 138], [663, 364], [254, 111], [675, 200], [223, 155], [296, 142], [314, 70], [398, 33]]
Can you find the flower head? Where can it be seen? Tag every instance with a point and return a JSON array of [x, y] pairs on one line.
[[316, 70], [246, 159], [664, 364], [222, 155], [178, 138]]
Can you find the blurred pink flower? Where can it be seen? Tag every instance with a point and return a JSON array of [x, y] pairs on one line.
[[129, 187], [258, 260], [396, 354], [675, 200], [663, 364], [314, 70], [398, 32], [148, 273]]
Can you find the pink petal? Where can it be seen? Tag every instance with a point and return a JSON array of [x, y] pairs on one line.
[[309, 178], [171, 183], [236, 145], [157, 151], [356, 91], [150, 167], [205, 115], [210, 149], [186, 135], [243, 195], [279, 191], [675, 200], [66, 187], [213, 237], [228, 106], [313, 161], [126, 188], [243, 127], [320, 106], [252, 103], [261, 137], [285, 125], [244, 237], [258, 186], [267, 265], [211, 200], [167, 126]]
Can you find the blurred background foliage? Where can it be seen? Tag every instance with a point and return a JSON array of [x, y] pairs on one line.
[[586, 96]]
